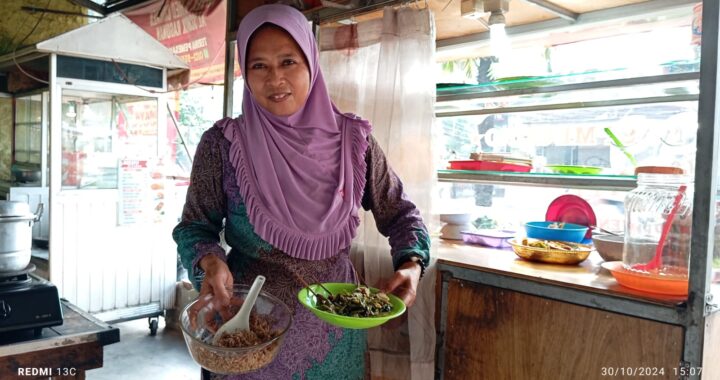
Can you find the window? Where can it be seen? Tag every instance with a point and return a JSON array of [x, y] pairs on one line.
[[655, 120], [99, 129], [28, 128]]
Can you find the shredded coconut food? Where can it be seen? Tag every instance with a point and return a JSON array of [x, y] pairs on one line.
[[234, 362]]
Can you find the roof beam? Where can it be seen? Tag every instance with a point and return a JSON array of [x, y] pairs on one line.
[[120, 5], [326, 14], [93, 6], [56, 11], [555, 9]]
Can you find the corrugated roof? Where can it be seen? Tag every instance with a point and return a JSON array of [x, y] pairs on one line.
[[112, 38]]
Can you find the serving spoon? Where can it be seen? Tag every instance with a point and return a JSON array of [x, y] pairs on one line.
[[604, 230], [241, 320]]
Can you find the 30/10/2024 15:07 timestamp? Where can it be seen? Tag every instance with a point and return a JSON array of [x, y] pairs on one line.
[[649, 371]]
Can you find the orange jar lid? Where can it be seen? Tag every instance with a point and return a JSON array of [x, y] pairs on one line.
[[659, 170]]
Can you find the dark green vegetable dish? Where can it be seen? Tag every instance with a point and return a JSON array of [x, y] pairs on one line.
[[361, 302]]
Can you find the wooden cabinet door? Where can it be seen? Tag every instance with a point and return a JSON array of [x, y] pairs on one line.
[[493, 333]]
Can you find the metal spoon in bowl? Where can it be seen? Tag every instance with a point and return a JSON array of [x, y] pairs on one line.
[[604, 231], [241, 320]]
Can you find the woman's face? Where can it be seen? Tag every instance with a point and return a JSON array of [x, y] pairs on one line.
[[277, 71]]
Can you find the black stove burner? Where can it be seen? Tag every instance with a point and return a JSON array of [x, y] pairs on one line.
[[16, 279], [27, 302]]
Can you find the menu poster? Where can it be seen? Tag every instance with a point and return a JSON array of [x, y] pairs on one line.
[[133, 184]]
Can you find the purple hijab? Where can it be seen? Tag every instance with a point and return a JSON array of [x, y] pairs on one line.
[[301, 176]]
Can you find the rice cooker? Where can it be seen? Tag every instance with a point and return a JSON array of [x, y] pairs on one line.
[[16, 223]]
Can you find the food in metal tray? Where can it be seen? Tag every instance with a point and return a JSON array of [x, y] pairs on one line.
[[550, 251], [549, 244]]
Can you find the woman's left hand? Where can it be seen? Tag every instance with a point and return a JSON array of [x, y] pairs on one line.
[[404, 282]]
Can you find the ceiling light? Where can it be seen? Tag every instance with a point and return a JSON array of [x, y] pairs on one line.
[[476, 8]]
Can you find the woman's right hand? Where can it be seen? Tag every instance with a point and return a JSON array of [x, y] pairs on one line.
[[218, 279], [216, 288]]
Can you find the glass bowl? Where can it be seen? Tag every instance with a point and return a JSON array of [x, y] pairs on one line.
[[202, 317]]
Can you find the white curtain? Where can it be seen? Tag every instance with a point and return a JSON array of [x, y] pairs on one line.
[[382, 70]]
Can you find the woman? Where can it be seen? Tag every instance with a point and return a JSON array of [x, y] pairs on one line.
[[286, 180]]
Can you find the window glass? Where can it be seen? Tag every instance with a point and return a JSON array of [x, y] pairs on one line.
[[238, 87], [715, 275], [114, 72], [28, 123], [512, 105], [510, 207], [654, 134], [655, 45], [99, 129], [195, 111]]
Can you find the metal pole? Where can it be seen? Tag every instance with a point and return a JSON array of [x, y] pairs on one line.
[[706, 167], [555, 9], [230, 21]]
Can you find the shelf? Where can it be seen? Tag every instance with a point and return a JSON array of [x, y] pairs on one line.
[[529, 97], [481, 91], [594, 182], [573, 105]]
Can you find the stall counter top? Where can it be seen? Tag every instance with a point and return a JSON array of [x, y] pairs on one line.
[[67, 350], [587, 276]]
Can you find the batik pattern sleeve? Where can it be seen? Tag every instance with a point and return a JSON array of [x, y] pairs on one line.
[[395, 215], [198, 233]]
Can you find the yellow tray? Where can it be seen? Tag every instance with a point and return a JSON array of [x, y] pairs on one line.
[[549, 255]]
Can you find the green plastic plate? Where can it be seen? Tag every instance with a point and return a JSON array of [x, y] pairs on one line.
[[307, 299], [574, 169], [513, 83]]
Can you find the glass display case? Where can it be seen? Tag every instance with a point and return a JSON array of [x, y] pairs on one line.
[[611, 120], [654, 118]]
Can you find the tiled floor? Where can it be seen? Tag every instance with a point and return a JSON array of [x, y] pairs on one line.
[[141, 356]]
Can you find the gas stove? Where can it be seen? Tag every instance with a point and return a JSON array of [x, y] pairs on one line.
[[28, 302]]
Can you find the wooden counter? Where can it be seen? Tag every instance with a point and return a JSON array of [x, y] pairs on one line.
[[587, 276], [62, 352], [502, 317]]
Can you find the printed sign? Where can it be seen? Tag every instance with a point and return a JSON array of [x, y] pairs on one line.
[[133, 181]]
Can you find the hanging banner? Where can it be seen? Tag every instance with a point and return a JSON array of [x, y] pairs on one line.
[[199, 40]]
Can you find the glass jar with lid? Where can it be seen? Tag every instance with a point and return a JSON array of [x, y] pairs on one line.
[[658, 217]]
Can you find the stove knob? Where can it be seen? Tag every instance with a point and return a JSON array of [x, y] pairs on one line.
[[4, 310]]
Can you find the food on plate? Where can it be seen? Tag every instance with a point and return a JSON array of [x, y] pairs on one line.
[[361, 302], [557, 225]]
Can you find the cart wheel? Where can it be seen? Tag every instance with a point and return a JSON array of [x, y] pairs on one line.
[[153, 324]]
